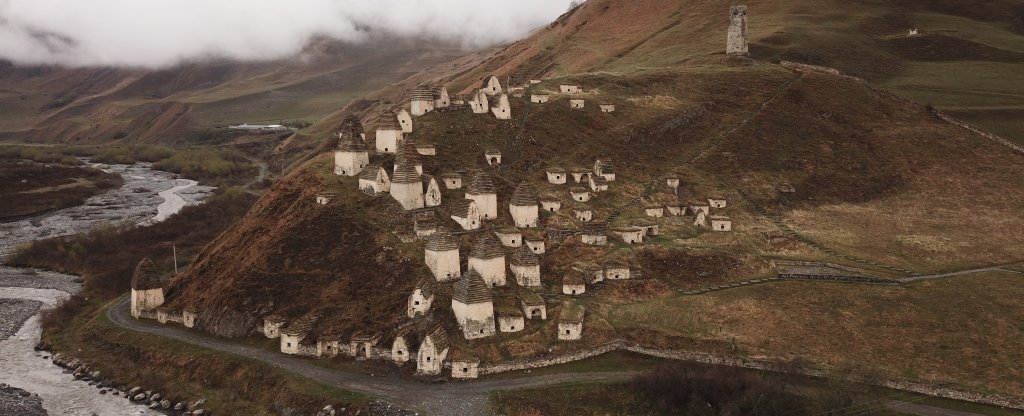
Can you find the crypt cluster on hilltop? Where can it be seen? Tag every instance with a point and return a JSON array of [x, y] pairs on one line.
[[501, 256]]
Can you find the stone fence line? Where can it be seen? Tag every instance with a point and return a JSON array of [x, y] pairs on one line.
[[943, 116], [753, 364]]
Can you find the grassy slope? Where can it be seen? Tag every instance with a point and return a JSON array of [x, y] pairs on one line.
[[962, 331]]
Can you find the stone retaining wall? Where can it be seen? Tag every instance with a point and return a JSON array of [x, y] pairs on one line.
[[740, 362]]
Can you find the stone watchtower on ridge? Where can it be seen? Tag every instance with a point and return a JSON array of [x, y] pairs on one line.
[[147, 291], [737, 42]]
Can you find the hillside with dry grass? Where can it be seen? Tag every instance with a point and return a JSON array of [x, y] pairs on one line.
[[873, 182]]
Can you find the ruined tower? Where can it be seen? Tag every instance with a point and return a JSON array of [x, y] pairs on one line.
[[737, 43]]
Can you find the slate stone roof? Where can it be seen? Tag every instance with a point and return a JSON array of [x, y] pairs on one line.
[[301, 326], [487, 79], [523, 256], [387, 120], [471, 289], [524, 196], [407, 153], [370, 172], [508, 231], [532, 299], [592, 228], [146, 277], [442, 240], [578, 190], [440, 338], [575, 279], [556, 169], [448, 175], [607, 166], [351, 124], [405, 173], [351, 142], [571, 312], [488, 247], [426, 179], [481, 184], [460, 207], [426, 289], [463, 356], [436, 92], [627, 229], [422, 92]]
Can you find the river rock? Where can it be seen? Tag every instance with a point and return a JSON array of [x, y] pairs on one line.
[[134, 391], [197, 403], [198, 412], [14, 401], [139, 397], [179, 406], [155, 397]]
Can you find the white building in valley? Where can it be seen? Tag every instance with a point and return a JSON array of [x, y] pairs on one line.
[[351, 156]]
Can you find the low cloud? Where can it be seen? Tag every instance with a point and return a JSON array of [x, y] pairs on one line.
[[161, 33]]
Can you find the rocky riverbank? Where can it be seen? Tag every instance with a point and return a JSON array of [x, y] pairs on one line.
[[13, 313], [137, 395], [31, 384], [143, 197], [15, 401]]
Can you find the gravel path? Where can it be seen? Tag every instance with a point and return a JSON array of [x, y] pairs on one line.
[[14, 313], [454, 398]]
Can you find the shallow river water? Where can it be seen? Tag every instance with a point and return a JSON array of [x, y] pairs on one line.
[[148, 196]]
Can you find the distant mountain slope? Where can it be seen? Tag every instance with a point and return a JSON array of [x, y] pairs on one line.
[[91, 105]]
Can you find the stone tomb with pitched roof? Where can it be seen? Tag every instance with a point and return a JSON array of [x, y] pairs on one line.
[[488, 260], [481, 190], [524, 207], [441, 254], [473, 304], [147, 290], [389, 132]]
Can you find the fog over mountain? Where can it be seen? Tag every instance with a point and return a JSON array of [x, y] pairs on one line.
[[161, 33]]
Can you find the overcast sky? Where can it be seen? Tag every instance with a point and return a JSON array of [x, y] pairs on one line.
[[159, 33]]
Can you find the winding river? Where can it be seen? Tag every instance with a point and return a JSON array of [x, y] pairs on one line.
[[147, 196]]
